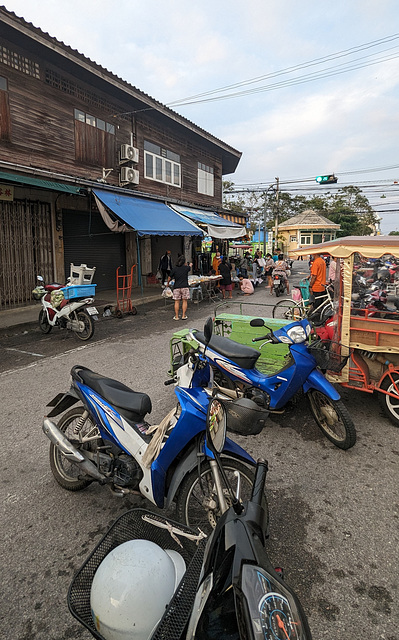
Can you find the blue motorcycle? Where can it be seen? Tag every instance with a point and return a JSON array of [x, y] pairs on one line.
[[107, 439], [231, 368]]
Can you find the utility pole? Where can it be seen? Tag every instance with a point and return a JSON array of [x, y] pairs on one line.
[[276, 216], [264, 216]]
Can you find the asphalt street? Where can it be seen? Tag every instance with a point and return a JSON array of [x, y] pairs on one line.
[[333, 514]]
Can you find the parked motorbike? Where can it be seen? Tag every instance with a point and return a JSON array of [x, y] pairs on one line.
[[230, 367], [62, 308], [278, 285], [374, 303], [107, 439], [228, 589]]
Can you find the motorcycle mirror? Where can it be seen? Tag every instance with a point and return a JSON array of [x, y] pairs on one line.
[[216, 425], [257, 322], [208, 330]]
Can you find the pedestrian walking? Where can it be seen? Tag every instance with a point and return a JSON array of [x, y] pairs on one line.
[[245, 264], [165, 265], [318, 279], [217, 259], [225, 283], [181, 290]]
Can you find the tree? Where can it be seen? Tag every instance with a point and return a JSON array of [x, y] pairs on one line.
[[393, 233], [347, 207], [231, 200], [352, 210]]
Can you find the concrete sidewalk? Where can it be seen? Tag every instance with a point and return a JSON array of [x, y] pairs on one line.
[[30, 313]]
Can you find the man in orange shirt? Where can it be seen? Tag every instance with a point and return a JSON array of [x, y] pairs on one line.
[[318, 279]]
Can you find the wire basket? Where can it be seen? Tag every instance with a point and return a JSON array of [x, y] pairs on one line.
[[329, 355], [131, 526], [304, 286]]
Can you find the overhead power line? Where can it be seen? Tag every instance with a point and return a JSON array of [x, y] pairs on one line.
[[357, 63]]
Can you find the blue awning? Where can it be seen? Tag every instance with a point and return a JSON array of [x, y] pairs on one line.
[[147, 217], [206, 217]]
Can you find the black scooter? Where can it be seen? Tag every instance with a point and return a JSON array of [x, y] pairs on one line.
[[278, 285], [230, 589]]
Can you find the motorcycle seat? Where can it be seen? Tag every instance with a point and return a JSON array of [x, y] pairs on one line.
[[53, 287], [245, 357], [133, 405]]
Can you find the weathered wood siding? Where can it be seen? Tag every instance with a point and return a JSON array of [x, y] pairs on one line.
[[43, 132]]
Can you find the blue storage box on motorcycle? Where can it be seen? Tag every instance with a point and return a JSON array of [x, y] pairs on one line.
[[79, 291]]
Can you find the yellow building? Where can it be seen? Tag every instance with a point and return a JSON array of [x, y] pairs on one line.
[[304, 229]]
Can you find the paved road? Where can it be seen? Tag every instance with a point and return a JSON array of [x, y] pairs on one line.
[[334, 514]]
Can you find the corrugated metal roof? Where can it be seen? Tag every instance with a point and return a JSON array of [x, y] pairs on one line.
[[37, 182], [308, 218], [206, 217]]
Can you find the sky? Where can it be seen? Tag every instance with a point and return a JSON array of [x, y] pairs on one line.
[[345, 122]]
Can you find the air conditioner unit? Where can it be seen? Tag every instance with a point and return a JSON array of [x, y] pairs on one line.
[[129, 153], [129, 175]]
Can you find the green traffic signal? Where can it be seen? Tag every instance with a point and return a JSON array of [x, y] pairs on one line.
[[329, 179]]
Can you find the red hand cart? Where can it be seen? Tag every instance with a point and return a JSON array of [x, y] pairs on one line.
[[124, 294]]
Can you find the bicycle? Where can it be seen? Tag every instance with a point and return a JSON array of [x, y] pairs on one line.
[[289, 309]]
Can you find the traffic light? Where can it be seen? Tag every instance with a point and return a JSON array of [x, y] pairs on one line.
[[329, 179]]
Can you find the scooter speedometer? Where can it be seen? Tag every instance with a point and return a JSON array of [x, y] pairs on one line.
[[275, 613]]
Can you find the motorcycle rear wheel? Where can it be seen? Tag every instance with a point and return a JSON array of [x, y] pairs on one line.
[[333, 419], [66, 473], [389, 405], [44, 325], [195, 490], [88, 331]]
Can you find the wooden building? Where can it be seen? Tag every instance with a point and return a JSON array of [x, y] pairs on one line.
[[69, 127]]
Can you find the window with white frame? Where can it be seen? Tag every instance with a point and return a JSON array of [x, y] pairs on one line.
[[205, 180], [161, 165], [306, 239]]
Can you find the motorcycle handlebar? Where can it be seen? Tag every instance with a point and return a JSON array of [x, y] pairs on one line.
[[259, 482], [167, 382], [266, 337]]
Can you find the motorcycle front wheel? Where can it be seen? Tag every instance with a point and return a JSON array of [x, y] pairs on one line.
[[44, 325], [68, 474], [87, 320], [333, 419], [197, 503]]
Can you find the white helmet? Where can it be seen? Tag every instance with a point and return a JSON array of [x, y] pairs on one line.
[[131, 589]]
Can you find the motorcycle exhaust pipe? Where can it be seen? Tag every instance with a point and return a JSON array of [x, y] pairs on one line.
[[69, 451]]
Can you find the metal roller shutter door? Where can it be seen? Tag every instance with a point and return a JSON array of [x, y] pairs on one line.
[[87, 240]]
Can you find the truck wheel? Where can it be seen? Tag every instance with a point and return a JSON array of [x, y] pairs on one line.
[[389, 405]]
